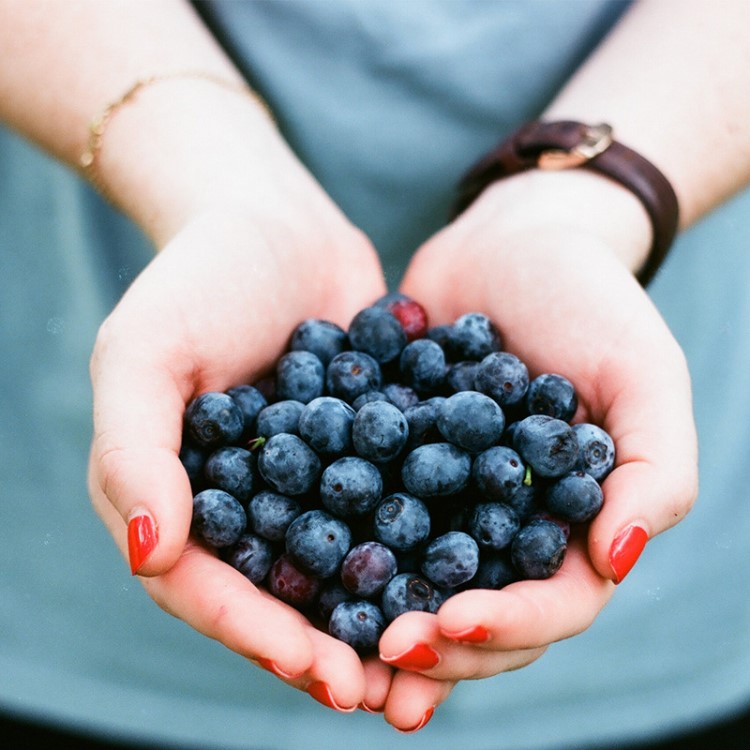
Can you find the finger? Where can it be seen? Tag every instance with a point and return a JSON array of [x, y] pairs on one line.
[[655, 482], [415, 643], [135, 465], [413, 699], [336, 678], [219, 602], [529, 614], [378, 679]]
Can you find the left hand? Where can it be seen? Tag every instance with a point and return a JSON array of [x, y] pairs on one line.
[[564, 302]]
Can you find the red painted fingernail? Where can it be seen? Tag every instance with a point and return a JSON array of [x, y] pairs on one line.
[[142, 538], [625, 550], [322, 693], [272, 667], [369, 710], [427, 716], [420, 656], [477, 634]]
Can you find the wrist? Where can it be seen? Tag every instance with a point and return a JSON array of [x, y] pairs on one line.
[[185, 145], [576, 201]]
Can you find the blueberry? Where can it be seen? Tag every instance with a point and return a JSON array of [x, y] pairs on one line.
[[251, 401], [401, 521], [267, 387], [493, 525], [422, 365], [538, 549], [300, 376], [379, 431], [442, 335], [495, 571], [460, 376], [408, 312], [270, 513], [377, 332], [498, 473], [193, 458], [350, 486], [545, 515], [401, 396], [510, 430], [451, 559], [325, 424], [359, 623], [218, 518], [553, 395], [318, 542], [471, 420], [575, 497], [410, 592], [233, 470], [367, 568], [596, 454], [289, 465], [473, 336], [422, 420], [436, 470], [504, 377], [525, 501], [332, 593], [321, 337], [252, 556], [549, 445], [281, 416], [365, 398], [214, 419], [293, 585], [350, 374]]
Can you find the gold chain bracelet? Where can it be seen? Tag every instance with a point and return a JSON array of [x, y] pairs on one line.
[[98, 125]]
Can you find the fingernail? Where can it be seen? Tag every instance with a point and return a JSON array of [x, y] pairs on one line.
[[369, 710], [322, 693], [142, 538], [427, 716], [420, 656], [477, 634], [625, 550], [274, 668]]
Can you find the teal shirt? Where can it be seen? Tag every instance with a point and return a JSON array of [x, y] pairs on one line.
[[387, 103]]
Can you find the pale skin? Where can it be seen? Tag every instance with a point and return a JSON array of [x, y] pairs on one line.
[[249, 245]]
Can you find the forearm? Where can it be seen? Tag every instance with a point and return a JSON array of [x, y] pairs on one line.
[[672, 79], [63, 61], [179, 145]]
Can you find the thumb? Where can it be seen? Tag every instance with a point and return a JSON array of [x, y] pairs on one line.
[[137, 483], [655, 482]]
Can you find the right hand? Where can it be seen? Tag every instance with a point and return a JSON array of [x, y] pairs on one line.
[[214, 309]]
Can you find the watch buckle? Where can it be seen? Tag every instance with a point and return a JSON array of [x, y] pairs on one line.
[[595, 140]]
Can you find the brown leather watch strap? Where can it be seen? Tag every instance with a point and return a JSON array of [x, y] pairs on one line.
[[568, 144]]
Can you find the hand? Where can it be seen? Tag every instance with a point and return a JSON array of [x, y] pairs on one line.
[[565, 303], [215, 309]]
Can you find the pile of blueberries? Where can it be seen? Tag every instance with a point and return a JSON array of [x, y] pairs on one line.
[[383, 468]]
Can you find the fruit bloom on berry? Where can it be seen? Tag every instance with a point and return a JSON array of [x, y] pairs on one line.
[[289, 465], [549, 445], [214, 419], [318, 542], [359, 623], [436, 470], [218, 518]]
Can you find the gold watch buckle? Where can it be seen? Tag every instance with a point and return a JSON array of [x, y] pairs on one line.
[[596, 139]]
